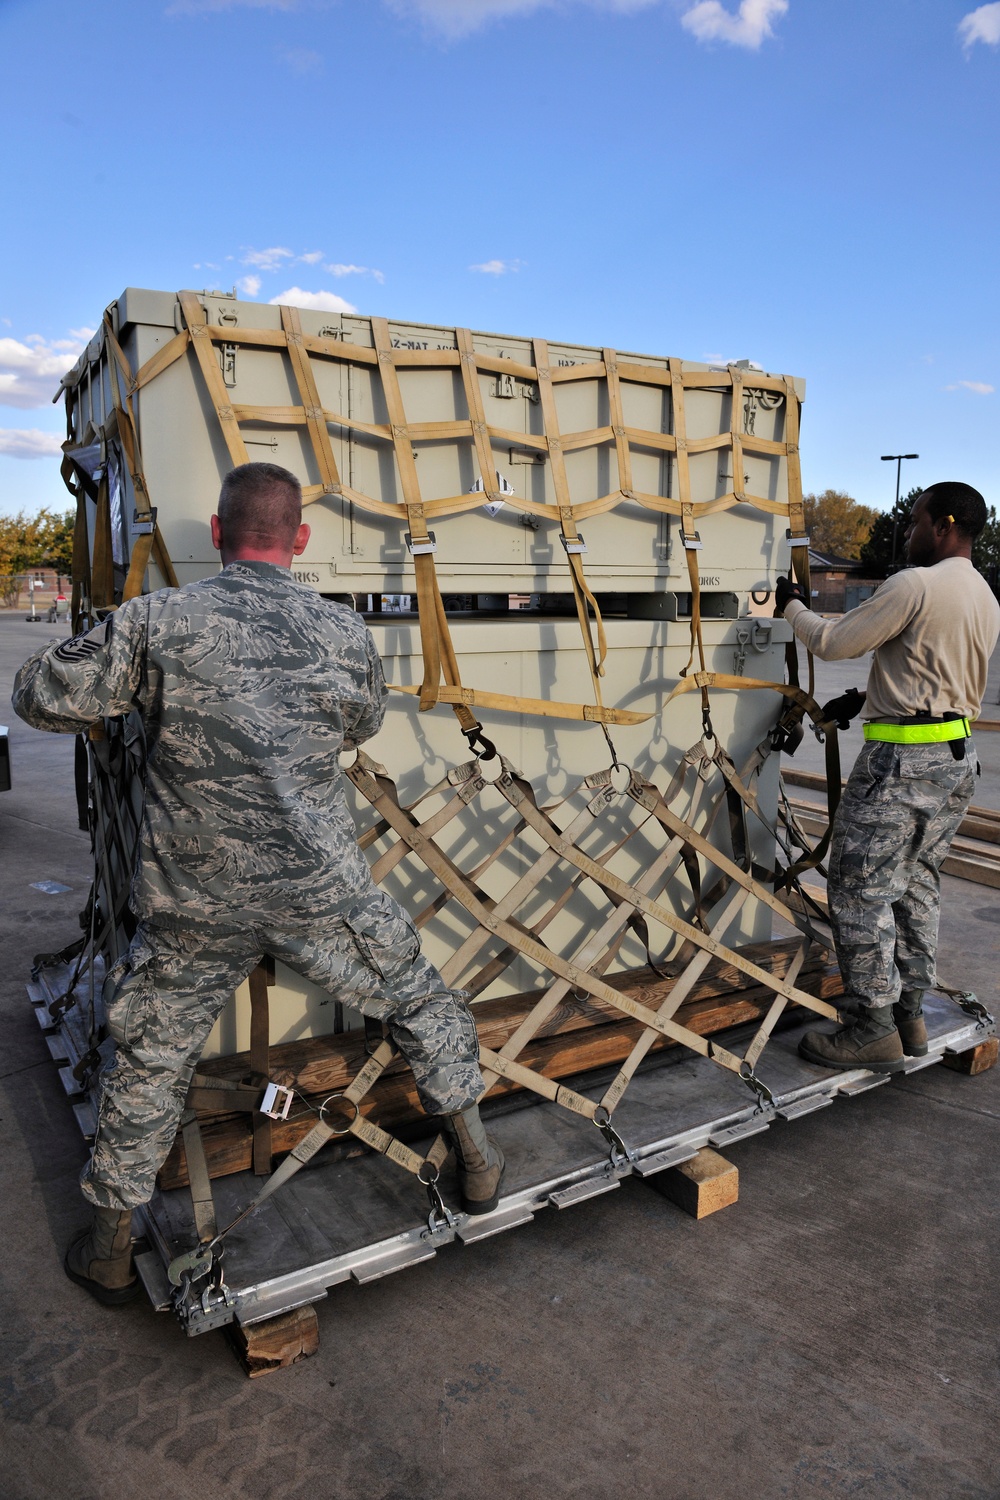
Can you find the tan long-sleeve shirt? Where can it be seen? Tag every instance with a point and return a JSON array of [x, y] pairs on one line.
[[932, 630]]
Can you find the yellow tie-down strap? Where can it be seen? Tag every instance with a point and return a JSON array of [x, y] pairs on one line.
[[589, 713], [919, 734]]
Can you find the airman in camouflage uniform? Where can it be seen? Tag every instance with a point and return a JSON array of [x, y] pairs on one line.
[[249, 685], [932, 628]]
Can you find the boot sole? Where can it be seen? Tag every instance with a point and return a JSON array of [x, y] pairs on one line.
[[846, 1067], [106, 1295], [483, 1205]]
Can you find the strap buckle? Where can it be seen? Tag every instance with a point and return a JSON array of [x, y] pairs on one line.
[[422, 545], [573, 544], [619, 1154], [692, 543], [277, 1101], [765, 1099], [796, 541], [144, 523]]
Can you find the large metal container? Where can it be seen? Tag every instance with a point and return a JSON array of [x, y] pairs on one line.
[[375, 417]]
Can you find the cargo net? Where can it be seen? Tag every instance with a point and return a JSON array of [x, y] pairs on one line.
[[571, 847]]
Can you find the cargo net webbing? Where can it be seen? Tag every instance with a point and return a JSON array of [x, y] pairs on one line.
[[441, 683], [567, 850]]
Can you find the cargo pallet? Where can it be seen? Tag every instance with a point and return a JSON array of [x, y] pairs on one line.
[[360, 1219]]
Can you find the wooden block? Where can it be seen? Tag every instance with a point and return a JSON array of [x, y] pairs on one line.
[[702, 1185], [977, 1060], [265, 1347]]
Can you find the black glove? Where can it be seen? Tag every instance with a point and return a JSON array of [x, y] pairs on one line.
[[845, 708], [784, 590]]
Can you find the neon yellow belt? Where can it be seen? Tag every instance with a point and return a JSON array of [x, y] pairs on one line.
[[919, 734]]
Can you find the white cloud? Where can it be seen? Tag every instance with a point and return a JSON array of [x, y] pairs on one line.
[[249, 285], [28, 442], [977, 387], [497, 267], [338, 269], [267, 260], [982, 25], [460, 17], [709, 21], [302, 60], [318, 301], [31, 368], [311, 257]]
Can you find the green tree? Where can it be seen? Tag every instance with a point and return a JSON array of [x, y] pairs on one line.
[[20, 550], [876, 554], [56, 541], [837, 523], [986, 550]]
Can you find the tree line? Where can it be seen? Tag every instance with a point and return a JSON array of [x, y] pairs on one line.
[[838, 524], [44, 540]]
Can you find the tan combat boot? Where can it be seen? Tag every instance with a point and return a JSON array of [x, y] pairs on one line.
[[868, 1041], [100, 1258], [480, 1161], [908, 1014]]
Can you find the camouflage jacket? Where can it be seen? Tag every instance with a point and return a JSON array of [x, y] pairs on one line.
[[248, 684]]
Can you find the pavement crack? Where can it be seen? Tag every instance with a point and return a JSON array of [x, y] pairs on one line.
[[965, 1109], [43, 1062]]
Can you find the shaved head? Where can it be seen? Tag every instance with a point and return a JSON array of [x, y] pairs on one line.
[[260, 506]]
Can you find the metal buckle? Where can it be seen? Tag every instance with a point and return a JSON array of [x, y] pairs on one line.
[[765, 1099], [796, 541], [692, 543], [972, 1006], [573, 544], [277, 1101], [440, 1217], [144, 525], [421, 546], [620, 1156]]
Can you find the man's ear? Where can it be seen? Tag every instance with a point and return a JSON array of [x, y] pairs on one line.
[[216, 526], [301, 540]]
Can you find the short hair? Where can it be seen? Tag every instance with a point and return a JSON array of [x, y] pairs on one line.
[[260, 503], [965, 505]]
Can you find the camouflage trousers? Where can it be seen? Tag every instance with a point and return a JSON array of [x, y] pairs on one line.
[[164, 996], [895, 823]]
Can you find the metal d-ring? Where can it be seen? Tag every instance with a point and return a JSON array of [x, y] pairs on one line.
[[341, 1094], [602, 1119], [440, 1216], [764, 1095]]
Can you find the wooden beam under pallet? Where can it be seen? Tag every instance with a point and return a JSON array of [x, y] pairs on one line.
[[979, 822], [964, 859], [583, 1035]]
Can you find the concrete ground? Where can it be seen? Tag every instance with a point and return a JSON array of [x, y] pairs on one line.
[[834, 1333]]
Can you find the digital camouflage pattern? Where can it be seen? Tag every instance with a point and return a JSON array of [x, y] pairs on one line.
[[249, 685], [163, 997], [899, 813]]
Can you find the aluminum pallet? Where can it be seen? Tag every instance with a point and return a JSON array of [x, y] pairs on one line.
[[361, 1219]]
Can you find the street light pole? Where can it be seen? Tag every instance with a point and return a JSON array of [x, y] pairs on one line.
[[897, 459]]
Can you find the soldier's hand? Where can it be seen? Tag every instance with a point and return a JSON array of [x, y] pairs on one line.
[[845, 708], [785, 590]]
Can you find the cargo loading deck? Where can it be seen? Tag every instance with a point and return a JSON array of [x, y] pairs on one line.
[[360, 1219]]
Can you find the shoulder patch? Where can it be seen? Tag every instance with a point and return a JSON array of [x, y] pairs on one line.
[[83, 646]]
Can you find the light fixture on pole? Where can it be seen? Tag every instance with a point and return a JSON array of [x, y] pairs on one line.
[[897, 459]]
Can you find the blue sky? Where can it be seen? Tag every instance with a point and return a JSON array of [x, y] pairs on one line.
[[809, 184]]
